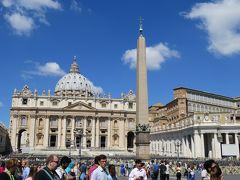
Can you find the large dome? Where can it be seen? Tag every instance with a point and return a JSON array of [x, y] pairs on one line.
[[75, 84]]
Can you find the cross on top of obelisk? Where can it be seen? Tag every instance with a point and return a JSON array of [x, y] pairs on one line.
[[141, 25]]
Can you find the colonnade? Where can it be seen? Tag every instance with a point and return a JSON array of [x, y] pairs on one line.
[[198, 144]]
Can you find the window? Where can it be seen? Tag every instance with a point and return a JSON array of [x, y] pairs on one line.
[[130, 105], [88, 143], [104, 105], [53, 141], [78, 122], [41, 103], [23, 121], [68, 122], [53, 123], [115, 106], [54, 103], [89, 123], [24, 101]]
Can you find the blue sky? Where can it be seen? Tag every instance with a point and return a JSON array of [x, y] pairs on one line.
[[195, 44]]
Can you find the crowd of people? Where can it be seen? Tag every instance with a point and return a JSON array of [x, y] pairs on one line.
[[65, 168]]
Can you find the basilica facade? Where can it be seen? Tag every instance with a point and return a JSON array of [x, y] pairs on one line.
[[76, 119], [196, 124]]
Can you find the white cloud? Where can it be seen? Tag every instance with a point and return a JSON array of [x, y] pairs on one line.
[[96, 89], [21, 24], [48, 69], [221, 20], [22, 15], [7, 3], [155, 56], [75, 6], [39, 4]]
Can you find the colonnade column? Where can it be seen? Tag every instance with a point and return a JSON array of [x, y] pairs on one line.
[[84, 133], [217, 147], [187, 149], [97, 133], [93, 133], [197, 141], [202, 145], [109, 133], [46, 133], [183, 147], [227, 138], [63, 141], [237, 143], [193, 153]]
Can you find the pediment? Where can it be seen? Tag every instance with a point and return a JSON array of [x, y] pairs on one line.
[[79, 106]]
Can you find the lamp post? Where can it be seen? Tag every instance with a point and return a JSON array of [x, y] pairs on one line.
[[70, 149], [178, 144], [79, 132]]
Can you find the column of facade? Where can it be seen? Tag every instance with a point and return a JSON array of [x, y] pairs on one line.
[[227, 138], [14, 132], [59, 132], [202, 145], [46, 133], [237, 143], [198, 148], [72, 132], [121, 133], [84, 133], [97, 132], [109, 133], [127, 129], [93, 132], [217, 147], [64, 124], [32, 129]]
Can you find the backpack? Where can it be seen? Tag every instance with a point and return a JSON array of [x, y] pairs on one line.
[[155, 169], [163, 169]]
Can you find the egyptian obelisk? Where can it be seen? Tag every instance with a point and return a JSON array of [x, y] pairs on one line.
[[142, 122]]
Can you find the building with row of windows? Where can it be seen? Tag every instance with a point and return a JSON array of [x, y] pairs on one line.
[[196, 124], [76, 119], [5, 146]]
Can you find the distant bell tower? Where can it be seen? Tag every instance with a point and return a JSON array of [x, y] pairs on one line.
[[142, 122]]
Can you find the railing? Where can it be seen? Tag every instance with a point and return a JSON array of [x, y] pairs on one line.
[[197, 119]]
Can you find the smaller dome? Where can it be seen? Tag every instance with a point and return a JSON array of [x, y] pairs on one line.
[[74, 83]]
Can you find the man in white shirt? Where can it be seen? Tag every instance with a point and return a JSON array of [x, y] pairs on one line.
[[100, 173], [138, 173]]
